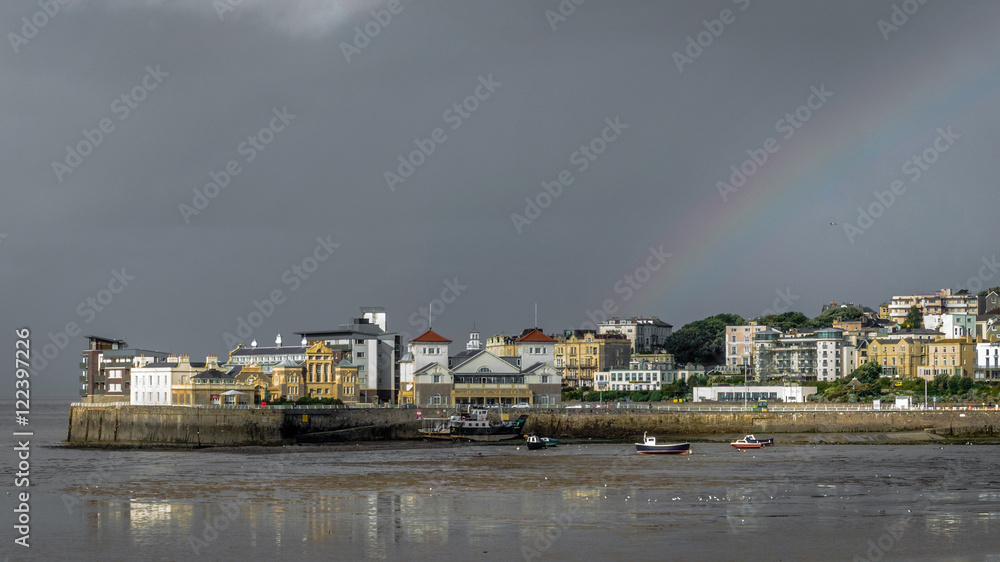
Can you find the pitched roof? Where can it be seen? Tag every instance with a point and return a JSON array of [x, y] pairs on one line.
[[431, 336], [213, 374], [535, 336]]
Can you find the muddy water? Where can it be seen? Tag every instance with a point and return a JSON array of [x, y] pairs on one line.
[[444, 502]]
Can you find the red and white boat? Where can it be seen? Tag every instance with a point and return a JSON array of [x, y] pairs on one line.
[[751, 442]]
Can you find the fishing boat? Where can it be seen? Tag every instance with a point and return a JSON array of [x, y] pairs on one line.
[[751, 442], [472, 427], [649, 447], [535, 442], [550, 442]]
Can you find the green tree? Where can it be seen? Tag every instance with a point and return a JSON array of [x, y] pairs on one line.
[[914, 319], [828, 316], [702, 341], [785, 321], [868, 373]]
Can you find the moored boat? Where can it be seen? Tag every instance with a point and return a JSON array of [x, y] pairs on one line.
[[473, 427], [650, 447], [751, 442], [535, 443], [550, 442]]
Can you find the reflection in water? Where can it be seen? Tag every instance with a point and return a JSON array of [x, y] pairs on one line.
[[570, 502]]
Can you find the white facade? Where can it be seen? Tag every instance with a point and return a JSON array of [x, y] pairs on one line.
[[152, 383], [952, 325], [643, 333], [988, 355], [754, 393]]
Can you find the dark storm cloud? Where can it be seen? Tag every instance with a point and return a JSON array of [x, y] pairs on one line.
[[187, 92]]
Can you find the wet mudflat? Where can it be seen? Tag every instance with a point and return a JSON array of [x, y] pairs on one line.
[[580, 501]]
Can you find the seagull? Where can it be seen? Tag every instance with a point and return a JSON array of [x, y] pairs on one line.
[[833, 224]]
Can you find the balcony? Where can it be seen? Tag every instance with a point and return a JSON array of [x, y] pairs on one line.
[[83, 379]]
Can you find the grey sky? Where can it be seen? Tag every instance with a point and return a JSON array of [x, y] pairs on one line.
[[211, 82]]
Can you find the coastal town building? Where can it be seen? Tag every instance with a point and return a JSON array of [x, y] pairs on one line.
[[988, 326], [950, 356], [106, 368], [477, 376], [740, 346], [644, 375], [938, 302], [898, 357], [987, 361], [581, 353], [213, 387], [645, 334], [952, 325], [751, 394], [821, 354], [372, 349], [154, 384]]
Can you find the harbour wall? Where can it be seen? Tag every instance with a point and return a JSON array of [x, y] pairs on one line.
[[177, 425], [611, 424]]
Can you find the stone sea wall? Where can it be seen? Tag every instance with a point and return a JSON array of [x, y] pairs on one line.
[[174, 425]]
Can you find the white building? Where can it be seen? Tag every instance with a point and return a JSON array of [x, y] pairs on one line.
[[642, 375], [645, 334], [952, 325], [152, 383], [987, 361], [753, 393], [812, 354], [372, 349]]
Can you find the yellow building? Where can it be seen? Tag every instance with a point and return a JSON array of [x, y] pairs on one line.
[[502, 345], [579, 354], [899, 358], [953, 356]]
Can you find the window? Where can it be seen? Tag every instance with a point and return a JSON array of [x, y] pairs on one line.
[[484, 369], [436, 378], [359, 342], [360, 355]]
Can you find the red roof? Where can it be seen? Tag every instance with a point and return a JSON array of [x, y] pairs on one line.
[[431, 336], [535, 335]]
